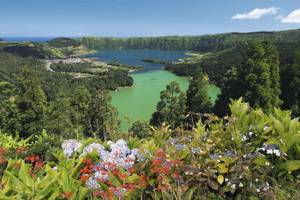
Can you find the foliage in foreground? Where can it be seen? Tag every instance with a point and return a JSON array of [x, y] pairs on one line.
[[247, 155]]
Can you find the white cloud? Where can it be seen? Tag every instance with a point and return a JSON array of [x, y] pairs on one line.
[[257, 13], [293, 17]]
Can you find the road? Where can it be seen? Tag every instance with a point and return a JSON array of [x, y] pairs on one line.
[[48, 66]]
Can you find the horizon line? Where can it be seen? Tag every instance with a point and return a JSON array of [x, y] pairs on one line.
[[145, 36]]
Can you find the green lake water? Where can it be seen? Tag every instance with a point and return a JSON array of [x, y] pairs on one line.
[[139, 101]]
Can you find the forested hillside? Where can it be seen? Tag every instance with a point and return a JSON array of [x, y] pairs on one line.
[[205, 43], [69, 71]]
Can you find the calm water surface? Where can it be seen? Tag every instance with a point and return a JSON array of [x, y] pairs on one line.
[[134, 57], [139, 101]]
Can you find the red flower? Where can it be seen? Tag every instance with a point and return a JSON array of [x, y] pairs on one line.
[[38, 165], [32, 159], [20, 150], [122, 176], [131, 170], [84, 177], [115, 172], [3, 151], [86, 170], [176, 176], [160, 154], [67, 195], [2, 160]]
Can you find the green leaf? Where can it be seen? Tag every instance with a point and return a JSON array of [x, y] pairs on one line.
[[290, 165], [25, 176], [133, 178], [114, 180], [222, 168], [83, 193], [16, 184], [260, 160]]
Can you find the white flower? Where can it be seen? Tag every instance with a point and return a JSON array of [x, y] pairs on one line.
[[233, 186], [244, 138], [93, 147], [241, 184], [277, 152], [92, 184], [250, 133], [266, 128], [70, 146], [270, 151], [101, 175]]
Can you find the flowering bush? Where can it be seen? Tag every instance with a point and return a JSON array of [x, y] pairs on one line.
[[247, 155]]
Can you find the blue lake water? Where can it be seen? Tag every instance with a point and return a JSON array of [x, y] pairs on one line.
[[134, 57]]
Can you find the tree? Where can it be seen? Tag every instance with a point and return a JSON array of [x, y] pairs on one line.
[[198, 100], [272, 56], [102, 116], [256, 79], [59, 117], [290, 84], [230, 90], [7, 90], [31, 103], [80, 103], [140, 128], [171, 108], [259, 76], [9, 113]]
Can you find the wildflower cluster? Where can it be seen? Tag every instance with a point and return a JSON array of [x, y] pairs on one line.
[[37, 164], [270, 149], [164, 168], [70, 146], [115, 170]]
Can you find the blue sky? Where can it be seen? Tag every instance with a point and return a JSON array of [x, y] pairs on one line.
[[123, 18]]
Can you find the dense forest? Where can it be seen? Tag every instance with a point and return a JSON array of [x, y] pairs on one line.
[[218, 65], [60, 136], [206, 43]]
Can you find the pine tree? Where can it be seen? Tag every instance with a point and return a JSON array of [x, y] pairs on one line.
[[171, 108]]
